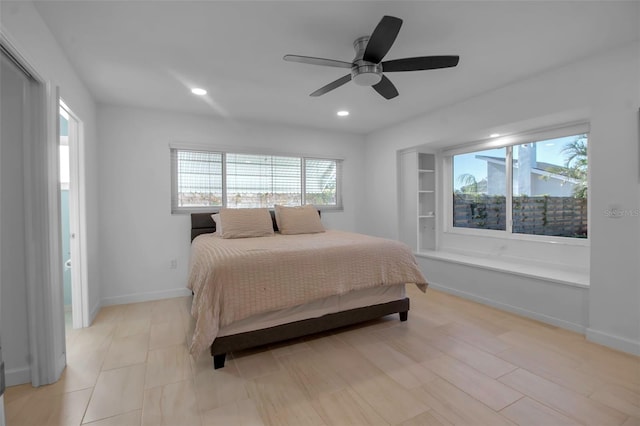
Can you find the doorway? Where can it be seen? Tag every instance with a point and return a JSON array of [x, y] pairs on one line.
[[70, 140]]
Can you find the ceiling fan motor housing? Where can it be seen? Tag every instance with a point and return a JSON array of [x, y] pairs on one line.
[[364, 73]]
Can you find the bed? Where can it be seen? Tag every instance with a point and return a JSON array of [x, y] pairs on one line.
[[250, 292]]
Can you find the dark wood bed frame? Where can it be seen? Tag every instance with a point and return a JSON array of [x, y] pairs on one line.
[[202, 223]]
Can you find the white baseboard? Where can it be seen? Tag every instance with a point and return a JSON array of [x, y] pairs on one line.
[[616, 342], [145, 297], [578, 328], [17, 376], [612, 341]]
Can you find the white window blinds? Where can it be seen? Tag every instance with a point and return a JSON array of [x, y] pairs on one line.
[[262, 180], [204, 179], [321, 177], [197, 179]]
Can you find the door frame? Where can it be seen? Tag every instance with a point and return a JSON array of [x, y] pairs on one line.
[[77, 220], [42, 223]]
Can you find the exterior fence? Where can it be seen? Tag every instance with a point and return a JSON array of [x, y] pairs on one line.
[[539, 215]]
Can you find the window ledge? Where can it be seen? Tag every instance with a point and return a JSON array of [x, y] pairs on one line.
[[544, 271]]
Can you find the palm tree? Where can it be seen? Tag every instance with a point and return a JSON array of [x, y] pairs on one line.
[[576, 164], [468, 183]]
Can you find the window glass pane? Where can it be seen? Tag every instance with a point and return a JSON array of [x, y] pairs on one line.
[[199, 178], [550, 187], [479, 189], [321, 182], [262, 180]]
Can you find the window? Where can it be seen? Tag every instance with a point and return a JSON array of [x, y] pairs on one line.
[[537, 187], [205, 179], [320, 182], [263, 180], [197, 179], [480, 189]]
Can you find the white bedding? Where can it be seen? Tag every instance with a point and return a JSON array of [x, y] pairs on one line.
[[234, 279]]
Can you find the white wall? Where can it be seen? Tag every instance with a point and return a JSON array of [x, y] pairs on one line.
[[138, 234], [604, 90], [26, 30]]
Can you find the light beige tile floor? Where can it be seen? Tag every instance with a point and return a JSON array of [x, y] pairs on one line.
[[454, 362]]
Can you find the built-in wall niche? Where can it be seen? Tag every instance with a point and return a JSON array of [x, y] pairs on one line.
[[417, 209], [426, 162], [426, 201]]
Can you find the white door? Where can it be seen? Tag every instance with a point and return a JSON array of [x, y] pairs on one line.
[[13, 273], [31, 316]]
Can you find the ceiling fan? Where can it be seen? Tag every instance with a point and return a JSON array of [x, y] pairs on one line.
[[367, 67]]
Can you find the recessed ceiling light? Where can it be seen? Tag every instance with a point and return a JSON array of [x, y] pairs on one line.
[[494, 135], [198, 91], [343, 113]]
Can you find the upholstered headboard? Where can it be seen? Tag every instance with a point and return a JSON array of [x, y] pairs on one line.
[[202, 223]]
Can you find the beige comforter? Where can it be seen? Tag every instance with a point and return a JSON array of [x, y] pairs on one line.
[[233, 279]]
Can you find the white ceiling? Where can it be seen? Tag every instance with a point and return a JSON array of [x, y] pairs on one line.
[[148, 53]]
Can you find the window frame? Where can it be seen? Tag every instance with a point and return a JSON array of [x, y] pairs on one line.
[[175, 209], [174, 148], [509, 142]]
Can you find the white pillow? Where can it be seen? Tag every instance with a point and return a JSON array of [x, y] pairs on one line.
[[245, 223], [298, 220], [218, 222]]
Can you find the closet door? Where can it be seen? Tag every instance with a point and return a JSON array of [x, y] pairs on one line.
[[13, 276]]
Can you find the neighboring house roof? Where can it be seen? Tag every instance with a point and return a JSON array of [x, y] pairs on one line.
[[541, 168]]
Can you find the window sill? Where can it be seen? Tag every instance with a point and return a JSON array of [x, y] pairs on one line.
[[544, 271]]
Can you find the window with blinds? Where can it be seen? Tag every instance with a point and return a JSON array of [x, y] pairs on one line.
[[321, 177], [204, 179], [263, 180], [197, 179]]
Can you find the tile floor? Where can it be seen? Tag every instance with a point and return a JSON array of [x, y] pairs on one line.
[[454, 362]]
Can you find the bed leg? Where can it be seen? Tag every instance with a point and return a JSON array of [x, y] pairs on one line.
[[218, 361], [404, 315]]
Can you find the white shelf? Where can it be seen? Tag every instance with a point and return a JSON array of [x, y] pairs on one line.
[[426, 201], [418, 200]]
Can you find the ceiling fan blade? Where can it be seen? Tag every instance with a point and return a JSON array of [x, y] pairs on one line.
[[386, 88], [333, 85], [420, 63], [382, 39], [317, 61]]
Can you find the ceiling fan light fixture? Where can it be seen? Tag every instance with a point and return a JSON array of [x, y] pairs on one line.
[[366, 74], [367, 78]]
